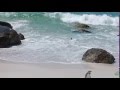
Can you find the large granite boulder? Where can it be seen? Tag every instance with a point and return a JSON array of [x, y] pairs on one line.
[[14, 38], [21, 36], [8, 36], [6, 24], [96, 55]]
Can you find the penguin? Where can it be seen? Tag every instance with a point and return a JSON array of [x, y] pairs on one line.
[[88, 74]]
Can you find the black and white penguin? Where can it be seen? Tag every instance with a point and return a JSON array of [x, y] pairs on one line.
[[88, 74]]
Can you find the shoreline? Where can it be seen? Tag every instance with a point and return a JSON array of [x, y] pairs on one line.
[[50, 70]]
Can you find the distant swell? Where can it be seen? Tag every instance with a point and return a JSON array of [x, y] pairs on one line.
[[85, 18]]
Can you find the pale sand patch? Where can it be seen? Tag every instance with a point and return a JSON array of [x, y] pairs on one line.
[[20, 70]]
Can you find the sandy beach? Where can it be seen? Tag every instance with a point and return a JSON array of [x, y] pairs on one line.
[[20, 70]]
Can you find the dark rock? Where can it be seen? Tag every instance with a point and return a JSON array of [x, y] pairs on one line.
[[4, 41], [4, 36], [4, 29], [81, 28], [6, 24], [14, 38], [21, 36], [82, 31], [81, 25], [8, 37], [96, 55]]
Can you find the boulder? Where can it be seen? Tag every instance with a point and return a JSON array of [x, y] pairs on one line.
[[82, 31], [80, 25], [21, 36], [8, 37], [96, 55], [6, 24], [14, 38]]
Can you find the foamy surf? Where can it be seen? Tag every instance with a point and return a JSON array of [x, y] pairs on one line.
[[19, 23], [85, 18]]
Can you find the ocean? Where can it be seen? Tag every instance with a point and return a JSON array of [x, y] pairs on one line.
[[48, 36]]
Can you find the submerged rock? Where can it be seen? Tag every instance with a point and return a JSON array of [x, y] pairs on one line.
[[96, 55], [82, 31], [80, 25], [81, 28]]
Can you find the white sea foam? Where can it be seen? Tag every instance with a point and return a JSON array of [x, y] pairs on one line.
[[18, 23], [85, 18]]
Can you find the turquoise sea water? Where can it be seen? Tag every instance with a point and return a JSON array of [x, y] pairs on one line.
[[48, 36]]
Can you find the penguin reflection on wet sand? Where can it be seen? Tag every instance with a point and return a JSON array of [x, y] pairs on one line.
[[88, 74]]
